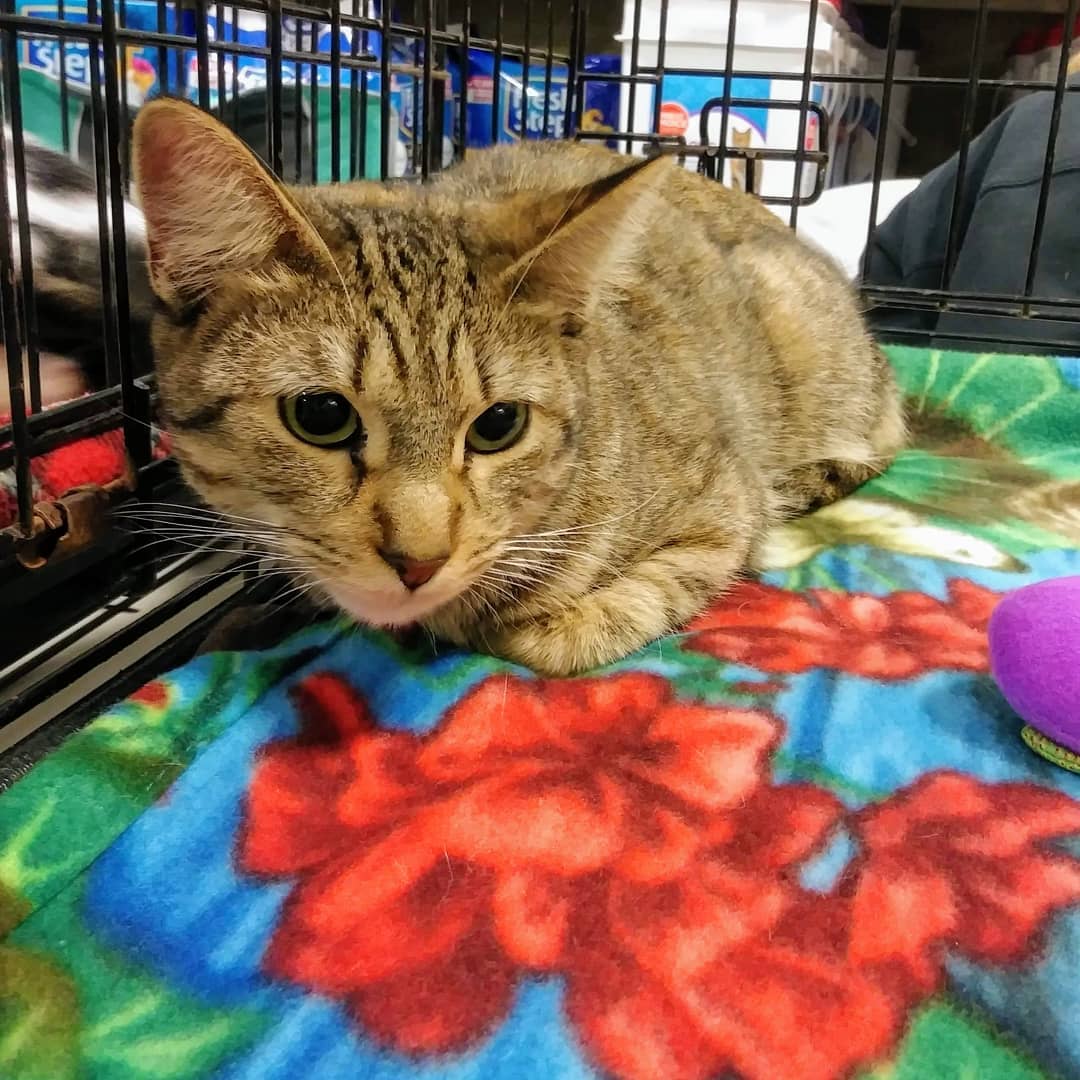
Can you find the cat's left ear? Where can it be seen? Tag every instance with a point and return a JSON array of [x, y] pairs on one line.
[[588, 241], [212, 209]]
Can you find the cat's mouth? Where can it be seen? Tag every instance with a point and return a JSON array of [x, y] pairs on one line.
[[398, 606], [394, 607]]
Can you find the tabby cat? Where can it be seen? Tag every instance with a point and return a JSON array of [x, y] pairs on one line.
[[546, 405]]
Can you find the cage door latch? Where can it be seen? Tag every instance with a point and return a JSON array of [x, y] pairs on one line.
[[61, 527]]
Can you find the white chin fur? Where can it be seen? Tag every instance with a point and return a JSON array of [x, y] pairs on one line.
[[389, 607]]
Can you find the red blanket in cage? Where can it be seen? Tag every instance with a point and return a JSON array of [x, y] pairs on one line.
[[98, 459]]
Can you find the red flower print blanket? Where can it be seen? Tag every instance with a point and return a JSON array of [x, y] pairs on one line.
[[801, 839]]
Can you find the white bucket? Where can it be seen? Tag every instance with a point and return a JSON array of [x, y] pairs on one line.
[[770, 35]]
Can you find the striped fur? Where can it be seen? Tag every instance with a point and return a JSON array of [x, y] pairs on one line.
[[692, 373]]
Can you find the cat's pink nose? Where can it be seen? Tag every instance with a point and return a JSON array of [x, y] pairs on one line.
[[413, 572]]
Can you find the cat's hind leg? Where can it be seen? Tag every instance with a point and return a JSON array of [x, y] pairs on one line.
[[809, 487], [814, 484]]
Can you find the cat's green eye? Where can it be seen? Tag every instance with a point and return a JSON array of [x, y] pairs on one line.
[[497, 428], [320, 417]]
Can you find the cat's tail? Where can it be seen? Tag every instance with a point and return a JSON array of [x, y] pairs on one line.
[[62, 214]]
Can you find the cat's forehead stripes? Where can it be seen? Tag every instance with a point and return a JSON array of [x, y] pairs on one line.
[[417, 291], [400, 251]]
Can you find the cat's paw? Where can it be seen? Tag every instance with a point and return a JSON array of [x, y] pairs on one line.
[[571, 641]]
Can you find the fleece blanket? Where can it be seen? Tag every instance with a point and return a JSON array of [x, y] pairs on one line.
[[801, 840]]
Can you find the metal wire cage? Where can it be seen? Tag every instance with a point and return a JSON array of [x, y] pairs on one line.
[[359, 89]]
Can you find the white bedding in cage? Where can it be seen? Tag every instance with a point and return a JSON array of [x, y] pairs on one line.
[[838, 222]]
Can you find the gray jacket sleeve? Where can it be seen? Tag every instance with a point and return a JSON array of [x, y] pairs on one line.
[[996, 221]]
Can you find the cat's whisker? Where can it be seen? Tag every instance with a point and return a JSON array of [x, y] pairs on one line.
[[554, 543], [555, 556], [487, 606], [542, 565], [196, 523], [516, 569], [544, 541], [466, 598], [517, 566], [193, 513], [191, 524], [532, 574], [141, 506], [523, 572], [167, 557], [581, 467], [235, 571], [257, 567], [539, 250], [199, 530], [296, 593], [213, 543], [584, 541], [210, 541], [597, 524], [143, 423], [141, 509], [208, 544], [553, 574], [263, 564], [548, 545], [527, 577], [499, 589], [223, 540]]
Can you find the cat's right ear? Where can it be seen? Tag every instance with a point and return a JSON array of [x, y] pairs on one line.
[[211, 208], [576, 245]]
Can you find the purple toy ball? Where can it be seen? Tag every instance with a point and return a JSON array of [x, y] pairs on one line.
[[1035, 658]]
